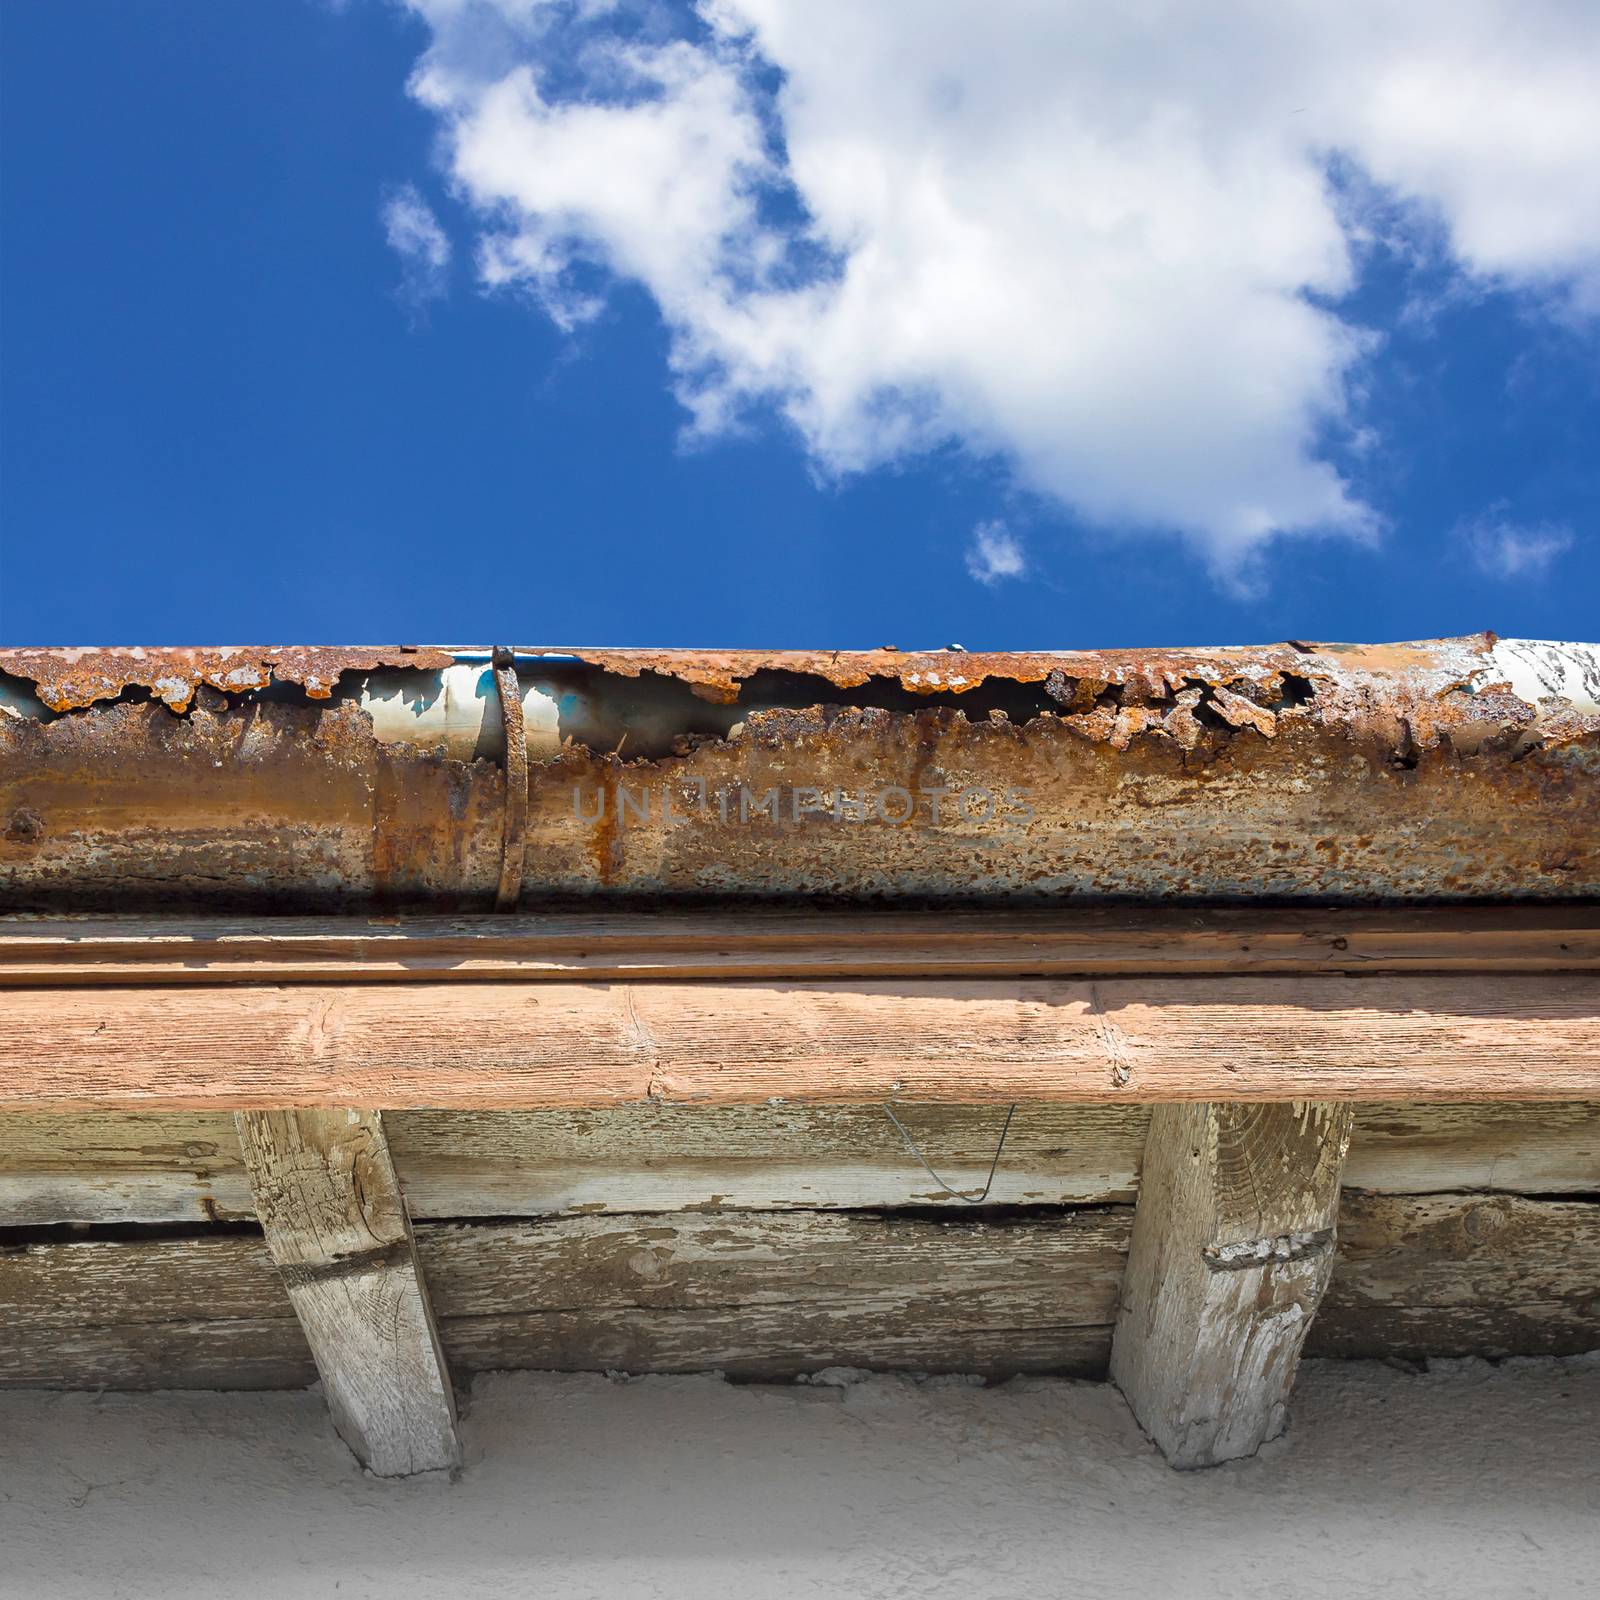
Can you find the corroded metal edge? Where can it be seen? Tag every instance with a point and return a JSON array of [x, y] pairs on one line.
[[1450, 770], [70, 679]]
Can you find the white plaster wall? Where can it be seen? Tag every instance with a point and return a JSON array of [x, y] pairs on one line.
[[1467, 1480]]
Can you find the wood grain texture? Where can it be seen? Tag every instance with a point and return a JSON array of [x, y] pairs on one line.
[[639, 946], [119, 1166], [1233, 1243], [754, 1295], [672, 1158], [765, 1295], [199, 1353], [554, 1046], [205, 1312], [185, 1166], [775, 1294], [177, 1167], [1460, 1275], [335, 1222], [1519, 1148], [204, 1277]]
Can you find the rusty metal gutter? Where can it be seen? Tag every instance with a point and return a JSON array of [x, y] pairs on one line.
[[299, 778]]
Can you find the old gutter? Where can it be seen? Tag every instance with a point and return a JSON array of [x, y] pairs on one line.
[[297, 778]]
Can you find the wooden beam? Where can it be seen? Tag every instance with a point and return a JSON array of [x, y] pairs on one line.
[[1233, 1244], [335, 1222], [637, 947], [555, 1046], [768, 1295], [1462, 1274], [755, 1295], [185, 1166]]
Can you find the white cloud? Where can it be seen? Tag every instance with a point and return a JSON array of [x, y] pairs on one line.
[[1097, 242], [415, 236], [995, 553], [1506, 549]]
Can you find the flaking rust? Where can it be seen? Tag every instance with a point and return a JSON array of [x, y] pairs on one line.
[[254, 777], [69, 680], [719, 675], [1256, 673]]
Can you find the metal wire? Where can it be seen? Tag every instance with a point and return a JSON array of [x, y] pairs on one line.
[[922, 1161], [514, 841]]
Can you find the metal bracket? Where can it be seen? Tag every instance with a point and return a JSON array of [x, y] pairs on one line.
[[514, 845]]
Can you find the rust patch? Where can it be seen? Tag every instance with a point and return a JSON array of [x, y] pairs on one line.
[[68, 680], [1403, 772], [248, 803], [605, 840], [23, 826]]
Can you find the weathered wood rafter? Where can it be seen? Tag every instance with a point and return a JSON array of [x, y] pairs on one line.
[[1416, 1275], [336, 1225], [185, 1166], [551, 1046], [1233, 1245]]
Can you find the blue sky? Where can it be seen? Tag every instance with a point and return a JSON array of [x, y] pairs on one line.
[[231, 410]]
